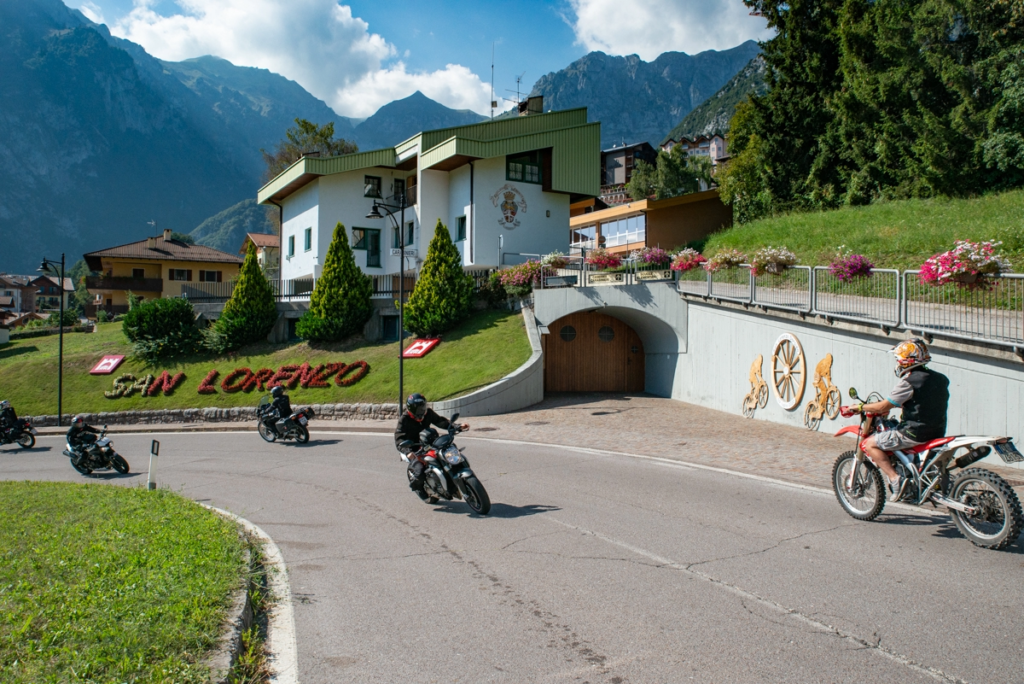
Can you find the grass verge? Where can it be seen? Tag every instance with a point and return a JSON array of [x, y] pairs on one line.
[[480, 351], [110, 584], [899, 234]]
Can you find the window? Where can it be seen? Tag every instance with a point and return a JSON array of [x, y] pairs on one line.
[[462, 228], [138, 273], [308, 245], [410, 233], [368, 239], [624, 231], [606, 334], [567, 333], [180, 274], [291, 246], [371, 186], [399, 188], [524, 167], [209, 276], [582, 237]]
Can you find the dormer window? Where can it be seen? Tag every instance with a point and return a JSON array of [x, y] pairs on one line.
[[524, 168]]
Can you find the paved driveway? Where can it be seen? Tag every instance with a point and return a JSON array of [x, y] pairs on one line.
[[592, 568]]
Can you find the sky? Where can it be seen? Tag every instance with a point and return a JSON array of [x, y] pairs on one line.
[[361, 55]]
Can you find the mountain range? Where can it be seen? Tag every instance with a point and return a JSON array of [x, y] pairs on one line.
[[98, 137], [713, 115]]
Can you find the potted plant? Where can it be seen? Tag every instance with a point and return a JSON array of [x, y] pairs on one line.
[[727, 258], [966, 265], [652, 256], [687, 259], [603, 259], [846, 266], [772, 260], [555, 260]]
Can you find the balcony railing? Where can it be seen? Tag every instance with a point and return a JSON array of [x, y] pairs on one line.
[[124, 283]]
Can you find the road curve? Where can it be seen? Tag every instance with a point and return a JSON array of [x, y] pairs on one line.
[[591, 568]]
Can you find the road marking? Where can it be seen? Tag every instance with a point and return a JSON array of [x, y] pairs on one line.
[[281, 643], [688, 570]]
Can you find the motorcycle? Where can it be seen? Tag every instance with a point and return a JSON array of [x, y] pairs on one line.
[[267, 420], [446, 471], [22, 434], [982, 504], [99, 455]]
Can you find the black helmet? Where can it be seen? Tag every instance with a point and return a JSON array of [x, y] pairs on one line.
[[78, 421], [417, 405], [276, 391]]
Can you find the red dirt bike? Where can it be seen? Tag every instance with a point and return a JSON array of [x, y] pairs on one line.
[[983, 506]]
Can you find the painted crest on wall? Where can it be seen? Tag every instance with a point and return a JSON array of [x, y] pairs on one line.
[[512, 205]]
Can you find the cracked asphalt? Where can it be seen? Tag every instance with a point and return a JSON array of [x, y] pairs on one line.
[[591, 568]]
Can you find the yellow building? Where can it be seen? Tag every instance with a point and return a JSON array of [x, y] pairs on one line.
[[154, 267]]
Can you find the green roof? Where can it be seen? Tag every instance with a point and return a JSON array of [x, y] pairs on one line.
[[575, 144]]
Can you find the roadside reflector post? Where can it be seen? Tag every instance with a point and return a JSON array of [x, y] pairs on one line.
[[154, 453]]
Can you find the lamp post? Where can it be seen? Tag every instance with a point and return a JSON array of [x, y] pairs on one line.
[[390, 210], [44, 268]]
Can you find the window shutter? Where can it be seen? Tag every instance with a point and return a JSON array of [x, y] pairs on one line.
[[188, 275], [202, 276], [219, 276]]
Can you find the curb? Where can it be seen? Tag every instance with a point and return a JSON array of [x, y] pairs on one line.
[[229, 644], [281, 645], [206, 427]]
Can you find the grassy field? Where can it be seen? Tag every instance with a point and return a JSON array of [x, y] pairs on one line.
[[110, 584], [892, 234], [483, 349]]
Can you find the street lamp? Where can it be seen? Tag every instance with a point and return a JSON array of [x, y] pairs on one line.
[[390, 210], [44, 268]]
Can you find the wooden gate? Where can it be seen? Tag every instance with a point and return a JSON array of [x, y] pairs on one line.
[[592, 352]]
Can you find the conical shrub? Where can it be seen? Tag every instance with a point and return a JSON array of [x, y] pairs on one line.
[[250, 314], [340, 305], [444, 292]]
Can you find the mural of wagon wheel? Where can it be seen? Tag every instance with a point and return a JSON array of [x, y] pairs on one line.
[[789, 371]]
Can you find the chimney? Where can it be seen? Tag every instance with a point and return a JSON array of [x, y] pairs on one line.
[[532, 105], [151, 243], [167, 234]]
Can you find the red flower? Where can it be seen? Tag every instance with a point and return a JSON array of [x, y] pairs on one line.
[[229, 383], [164, 383], [363, 369], [206, 386]]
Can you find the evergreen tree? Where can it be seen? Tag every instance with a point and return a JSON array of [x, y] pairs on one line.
[[251, 313], [340, 305], [444, 292]]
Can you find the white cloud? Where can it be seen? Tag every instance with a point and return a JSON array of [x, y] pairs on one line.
[[652, 27], [92, 12], [317, 43]]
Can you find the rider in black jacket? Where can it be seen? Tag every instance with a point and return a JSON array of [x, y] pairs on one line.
[[80, 434], [417, 418], [8, 418], [283, 405]]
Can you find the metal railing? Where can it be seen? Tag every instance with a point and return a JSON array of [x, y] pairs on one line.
[[874, 299], [284, 290], [992, 313], [732, 284]]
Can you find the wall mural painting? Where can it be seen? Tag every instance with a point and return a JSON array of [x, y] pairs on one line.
[[758, 394], [789, 371], [827, 397], [512, 205]]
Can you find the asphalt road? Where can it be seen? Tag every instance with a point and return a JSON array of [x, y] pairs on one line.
[[592, 568]]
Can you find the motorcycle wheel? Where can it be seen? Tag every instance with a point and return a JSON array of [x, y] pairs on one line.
[[266, 433], [27, 440], [476, 495], [749, 404], [77, 465], [810, 421], [118, 463], [999, 522], [867, 497], [301, 435]]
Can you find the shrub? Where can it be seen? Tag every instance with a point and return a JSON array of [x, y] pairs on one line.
[[493, 292], [727, 258], [340, 305], [444, 292], [687, 259], [161, 328], [101, 316], [250, 314]]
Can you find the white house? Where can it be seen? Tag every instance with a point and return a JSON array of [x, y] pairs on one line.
[[501, 187]]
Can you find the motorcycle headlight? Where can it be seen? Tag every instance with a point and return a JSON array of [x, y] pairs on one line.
[[452, 455]]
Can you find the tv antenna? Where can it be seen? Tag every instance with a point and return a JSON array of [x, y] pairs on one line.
[[519, 81], [494, 102]]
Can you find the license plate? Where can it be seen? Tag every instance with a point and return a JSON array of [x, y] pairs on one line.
[[303, 421], [34, 431], [1008, 452]]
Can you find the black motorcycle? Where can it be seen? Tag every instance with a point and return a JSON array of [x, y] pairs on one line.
[[272, 428], [22, 434], [446, 472], [98, 455]]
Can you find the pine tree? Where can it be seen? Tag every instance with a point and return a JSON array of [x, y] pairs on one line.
[[251, 313], [444, 292], [340, 305]]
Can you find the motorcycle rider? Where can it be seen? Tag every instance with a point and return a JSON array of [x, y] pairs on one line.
[[283, 405], [923, 394], [8, 418], [417, 417], [81, 436]]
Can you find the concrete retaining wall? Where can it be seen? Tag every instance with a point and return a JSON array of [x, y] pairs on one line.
[[521, 388], [222, 415]]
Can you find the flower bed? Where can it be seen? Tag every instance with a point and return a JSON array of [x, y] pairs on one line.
[[687, 260], [965, 265]]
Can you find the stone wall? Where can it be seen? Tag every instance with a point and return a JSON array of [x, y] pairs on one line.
[[222, 415]]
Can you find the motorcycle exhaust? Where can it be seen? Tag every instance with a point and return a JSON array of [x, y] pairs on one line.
[[972, 456]]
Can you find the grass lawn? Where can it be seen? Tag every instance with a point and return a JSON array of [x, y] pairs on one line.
[[482, 350], [110, 584], [892, 234]]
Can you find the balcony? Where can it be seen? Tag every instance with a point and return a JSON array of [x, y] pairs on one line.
[[124, 283]]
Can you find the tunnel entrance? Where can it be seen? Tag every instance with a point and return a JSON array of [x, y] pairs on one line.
[[592, 352]]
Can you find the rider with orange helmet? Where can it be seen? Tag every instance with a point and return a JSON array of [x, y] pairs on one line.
[[923, 394]]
